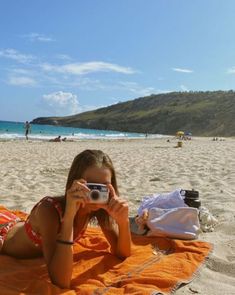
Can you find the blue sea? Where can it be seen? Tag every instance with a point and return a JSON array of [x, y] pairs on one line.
[[15, 130]]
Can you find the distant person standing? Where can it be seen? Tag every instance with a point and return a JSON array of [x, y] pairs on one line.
[[27, 129]]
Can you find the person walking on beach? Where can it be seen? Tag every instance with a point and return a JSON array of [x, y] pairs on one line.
[[27, 129], [56, 223]]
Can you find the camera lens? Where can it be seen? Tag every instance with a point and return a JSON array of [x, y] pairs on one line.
[[95, 195]]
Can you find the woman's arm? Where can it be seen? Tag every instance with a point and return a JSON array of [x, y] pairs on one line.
[[58, 257], [124, 239], [120, 241]]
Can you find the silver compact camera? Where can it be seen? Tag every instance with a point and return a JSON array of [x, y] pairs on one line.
[[99, 193]]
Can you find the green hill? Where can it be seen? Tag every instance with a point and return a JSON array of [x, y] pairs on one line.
[[202, 113]]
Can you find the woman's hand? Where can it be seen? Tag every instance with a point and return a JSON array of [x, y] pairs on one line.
[[117, 208], [76, 196]]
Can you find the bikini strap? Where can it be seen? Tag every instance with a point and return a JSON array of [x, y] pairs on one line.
[[54, 202], [36, 238]]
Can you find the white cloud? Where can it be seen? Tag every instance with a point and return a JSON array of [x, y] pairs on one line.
[[63, 56], [88, 84], [61, 103], [38, 37], [180, 70], [21, 81], [137, 89], [20, 71], [86, 68], [231, 70], [65, 75], [15, 55], [184, 88], [86, 108], [141, 90]]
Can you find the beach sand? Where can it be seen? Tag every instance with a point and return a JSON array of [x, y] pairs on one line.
[[29, 170]]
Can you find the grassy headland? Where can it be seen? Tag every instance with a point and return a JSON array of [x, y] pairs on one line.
[[202, 113]]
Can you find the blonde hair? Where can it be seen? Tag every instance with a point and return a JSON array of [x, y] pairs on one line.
[[89, 158]]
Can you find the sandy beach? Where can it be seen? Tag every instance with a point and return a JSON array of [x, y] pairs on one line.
[[29, 170]]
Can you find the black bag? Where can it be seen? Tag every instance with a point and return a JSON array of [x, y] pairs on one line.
[[191, 198]]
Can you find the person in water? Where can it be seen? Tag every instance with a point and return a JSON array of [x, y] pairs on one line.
[[56, 223]]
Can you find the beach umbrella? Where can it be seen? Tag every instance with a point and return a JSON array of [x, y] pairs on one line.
[[180, 133]]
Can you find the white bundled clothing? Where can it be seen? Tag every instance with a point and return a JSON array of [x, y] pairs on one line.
[[163, 201], [169, 216], [178, 223]]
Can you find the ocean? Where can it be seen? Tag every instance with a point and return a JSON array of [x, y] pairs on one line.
[[15, 130]]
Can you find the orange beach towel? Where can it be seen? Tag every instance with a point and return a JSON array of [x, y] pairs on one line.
[[156, 266]]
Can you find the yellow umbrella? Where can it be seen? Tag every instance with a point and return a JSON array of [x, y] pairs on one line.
[[180, 133]]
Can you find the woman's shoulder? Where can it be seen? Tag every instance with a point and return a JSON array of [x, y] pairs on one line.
[[53, 201], [45, 214], [49, 201], [50, 207], [44, 208], [44, 220]]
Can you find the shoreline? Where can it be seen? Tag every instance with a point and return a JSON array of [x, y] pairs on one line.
[[149, 137], [76, 139]]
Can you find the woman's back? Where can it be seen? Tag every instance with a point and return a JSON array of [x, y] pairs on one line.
[[21, 240]]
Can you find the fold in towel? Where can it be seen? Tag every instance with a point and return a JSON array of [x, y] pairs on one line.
[[156, 266]]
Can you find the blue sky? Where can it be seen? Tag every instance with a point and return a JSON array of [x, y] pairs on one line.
[[65, 57]]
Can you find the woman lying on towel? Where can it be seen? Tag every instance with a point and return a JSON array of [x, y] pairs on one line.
[[55, 223]]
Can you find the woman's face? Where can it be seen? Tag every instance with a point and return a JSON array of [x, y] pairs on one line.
[[96, 174]]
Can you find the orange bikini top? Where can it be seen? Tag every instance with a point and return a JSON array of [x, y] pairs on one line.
[[34, 236]]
